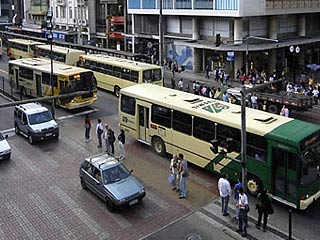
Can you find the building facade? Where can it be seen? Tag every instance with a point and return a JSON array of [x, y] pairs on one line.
[[232, 34]]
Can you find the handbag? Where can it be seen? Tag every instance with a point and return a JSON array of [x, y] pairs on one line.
[[171, 179], [247, 208], [86, 125]]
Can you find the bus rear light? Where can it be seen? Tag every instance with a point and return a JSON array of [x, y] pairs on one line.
[[302, 198], [154, 126]]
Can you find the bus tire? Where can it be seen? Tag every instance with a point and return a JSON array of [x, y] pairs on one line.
[[158, 146], [254, 184], [116, 91], [272, 108]]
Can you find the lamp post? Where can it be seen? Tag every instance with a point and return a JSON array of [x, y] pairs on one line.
[[295, 51], [49, 16]]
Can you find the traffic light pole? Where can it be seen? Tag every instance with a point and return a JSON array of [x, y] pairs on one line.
[[243, 139]]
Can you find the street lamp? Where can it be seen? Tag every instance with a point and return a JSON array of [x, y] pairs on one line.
[[295, 51], [49, 16]]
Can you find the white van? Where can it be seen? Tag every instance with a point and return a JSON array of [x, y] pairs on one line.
[[35, 122], [5, 150]]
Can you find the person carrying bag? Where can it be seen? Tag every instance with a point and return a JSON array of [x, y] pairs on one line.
[[264, 207]]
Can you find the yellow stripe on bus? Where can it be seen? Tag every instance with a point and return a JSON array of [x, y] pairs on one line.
[[224, 162]]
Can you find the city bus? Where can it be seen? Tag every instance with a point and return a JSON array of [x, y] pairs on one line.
[[31, 76], [65, 55], [283, 154], [115, 73], [21, 48]]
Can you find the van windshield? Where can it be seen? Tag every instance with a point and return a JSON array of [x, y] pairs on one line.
[[42, 117]]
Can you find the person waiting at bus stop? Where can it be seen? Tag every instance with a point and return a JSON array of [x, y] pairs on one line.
[[225, 193]]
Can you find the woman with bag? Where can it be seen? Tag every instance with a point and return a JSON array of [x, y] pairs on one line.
[[264, 207], [173, 172], [87, 126]]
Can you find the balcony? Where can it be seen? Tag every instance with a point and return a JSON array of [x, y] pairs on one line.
[[117, 20], [61, 2]]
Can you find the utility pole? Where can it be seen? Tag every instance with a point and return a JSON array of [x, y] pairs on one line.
[[160, 33], [243, 139]]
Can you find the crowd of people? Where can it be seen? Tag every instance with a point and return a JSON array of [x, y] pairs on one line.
[[107, 134]]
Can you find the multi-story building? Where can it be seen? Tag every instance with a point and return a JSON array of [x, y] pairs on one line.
[[6, 12], [234, 34]]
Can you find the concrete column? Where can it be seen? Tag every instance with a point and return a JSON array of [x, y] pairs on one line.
[[238, 63], [92, 17], [273, 27], [195, 28], [302, 25], [196, 60], [238, 30], [272, 61]]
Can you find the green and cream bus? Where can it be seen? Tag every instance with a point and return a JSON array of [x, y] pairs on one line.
[[21, 48], [64, 55], [31, 76], [283, 154], [114, 73]]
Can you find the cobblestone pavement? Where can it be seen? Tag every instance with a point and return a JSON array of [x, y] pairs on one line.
[[41, 196]]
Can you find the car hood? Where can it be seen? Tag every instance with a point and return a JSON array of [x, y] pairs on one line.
[[4, 145], [44, 125], [125, 188]]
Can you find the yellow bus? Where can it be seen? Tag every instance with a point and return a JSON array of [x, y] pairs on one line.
[[282, 153], [115, 73], [31, 76], [21, 48], [65, 55]]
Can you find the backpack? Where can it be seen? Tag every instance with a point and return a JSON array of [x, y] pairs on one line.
[[112, 137]]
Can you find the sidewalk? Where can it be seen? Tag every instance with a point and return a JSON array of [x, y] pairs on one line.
[[209, 223]]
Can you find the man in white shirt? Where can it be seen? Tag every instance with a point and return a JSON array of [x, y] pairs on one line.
[[180, 84], [225, 193], [243, 218], [254, 101]]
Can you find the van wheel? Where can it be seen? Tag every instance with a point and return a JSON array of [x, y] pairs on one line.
[[110, 205], [117, 91], [30, 139], [83, 184], [254, 185], [158, 146]]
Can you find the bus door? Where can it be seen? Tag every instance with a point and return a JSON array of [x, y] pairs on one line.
[[38, 85], [143, 123], [285, 175]]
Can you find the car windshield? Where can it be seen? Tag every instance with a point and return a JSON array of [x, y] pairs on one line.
[[42, 117], [115, 174]]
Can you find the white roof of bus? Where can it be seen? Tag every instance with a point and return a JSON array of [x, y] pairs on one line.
[[44, 65], [25, 41], [61, 49], [212, 109], [134, 65]]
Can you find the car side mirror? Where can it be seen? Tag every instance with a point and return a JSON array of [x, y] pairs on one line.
[[6, 136], [131, 171]]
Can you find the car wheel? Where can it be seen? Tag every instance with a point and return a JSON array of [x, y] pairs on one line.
[[30, 139], [158, 146], [110, 206], [117, 91], [83, 184], [254, 185], [16, 129]]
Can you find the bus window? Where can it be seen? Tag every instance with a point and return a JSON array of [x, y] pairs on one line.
[[126, 74], [46, 79], [134, 76], [161, 115], [128, 105], [25, 73], [151, 75], [256, 147], [182, 122], [203, 129], [117, 71]]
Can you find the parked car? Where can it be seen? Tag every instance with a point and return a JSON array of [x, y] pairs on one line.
[[35, 122], [5, 150], [111, 181]]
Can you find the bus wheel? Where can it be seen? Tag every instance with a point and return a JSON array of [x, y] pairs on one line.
[[273, 109], [254, 185], [158, 146], [117, 91]]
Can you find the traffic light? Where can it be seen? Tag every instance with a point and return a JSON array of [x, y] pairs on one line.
[[218, 39], [215, 146]]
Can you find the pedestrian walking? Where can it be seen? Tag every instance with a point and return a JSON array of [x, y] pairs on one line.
[[207, 71], [122, 141], [264, 207], [106, 138], [237, 196], [284, 111], [87, 126], [111, 140], [254, 101], [225, 193], [180, 84], [174, 172], [184, 173], [99, 132], [243, 205]]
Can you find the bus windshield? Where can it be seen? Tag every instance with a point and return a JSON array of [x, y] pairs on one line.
[[86, 82], [151, 75], [310, 160]]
